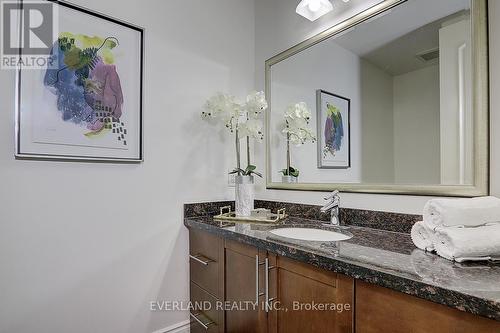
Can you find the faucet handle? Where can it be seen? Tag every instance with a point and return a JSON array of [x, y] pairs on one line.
[[333, 195]]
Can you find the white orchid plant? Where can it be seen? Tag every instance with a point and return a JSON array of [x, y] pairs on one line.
[[297, 131], [244, 120]]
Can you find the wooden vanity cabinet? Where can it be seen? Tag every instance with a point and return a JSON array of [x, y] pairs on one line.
[[240, 275], [292, 290], [235, 274]]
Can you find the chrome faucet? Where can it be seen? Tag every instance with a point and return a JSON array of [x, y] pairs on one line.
[[333, 204]]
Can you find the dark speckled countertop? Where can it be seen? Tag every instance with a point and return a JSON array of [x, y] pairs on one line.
[[386, 258]]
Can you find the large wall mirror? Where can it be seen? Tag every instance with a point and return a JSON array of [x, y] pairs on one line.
[[398, 100]]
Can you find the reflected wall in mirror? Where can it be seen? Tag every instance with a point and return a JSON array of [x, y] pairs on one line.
[[398, 99]]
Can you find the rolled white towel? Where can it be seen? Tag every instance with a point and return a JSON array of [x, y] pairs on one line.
[[461, 212], [422, 236], [465, 244]]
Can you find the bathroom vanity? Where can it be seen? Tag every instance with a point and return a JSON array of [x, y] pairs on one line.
[[377, 281]]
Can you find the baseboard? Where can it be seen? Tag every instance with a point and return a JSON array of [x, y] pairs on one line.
[[182, 327]]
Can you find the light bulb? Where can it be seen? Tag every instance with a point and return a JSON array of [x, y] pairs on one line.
[[313, 9], [314, 5]]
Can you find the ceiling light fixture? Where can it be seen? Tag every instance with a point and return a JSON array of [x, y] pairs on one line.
[[314, 9]]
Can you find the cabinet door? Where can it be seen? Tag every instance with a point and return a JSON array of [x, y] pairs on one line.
[[242, 271], [381, 310], [312, 300]]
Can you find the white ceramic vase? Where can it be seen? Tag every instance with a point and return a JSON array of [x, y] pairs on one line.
[[289, 179], [244, 195]]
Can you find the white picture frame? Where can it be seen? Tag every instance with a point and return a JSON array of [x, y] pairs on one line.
[[109, 131]]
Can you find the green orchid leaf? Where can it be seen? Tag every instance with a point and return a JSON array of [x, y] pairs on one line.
[[290, 172], [257, 173], [248, 171], [237, 170]]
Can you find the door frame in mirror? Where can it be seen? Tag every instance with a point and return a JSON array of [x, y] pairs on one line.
[[480, 97]]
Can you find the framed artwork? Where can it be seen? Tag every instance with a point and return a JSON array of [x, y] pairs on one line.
[[88, 104], [333, 117]]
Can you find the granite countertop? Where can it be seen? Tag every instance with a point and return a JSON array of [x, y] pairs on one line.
[[385, 258]]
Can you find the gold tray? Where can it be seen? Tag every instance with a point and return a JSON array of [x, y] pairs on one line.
[[226, 215]]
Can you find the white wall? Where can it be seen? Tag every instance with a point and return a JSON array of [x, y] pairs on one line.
[[84, 247], [377, 124], [416, 127]]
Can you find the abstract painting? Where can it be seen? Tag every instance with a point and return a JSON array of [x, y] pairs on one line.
[[333, 112], [88, 103]]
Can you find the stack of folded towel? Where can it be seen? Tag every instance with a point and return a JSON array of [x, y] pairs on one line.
[[460, 229]]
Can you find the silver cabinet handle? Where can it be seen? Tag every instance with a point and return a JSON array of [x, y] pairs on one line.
[[257, 278], [267, 285], [195, 317], [257, 291], [268, 300], [197, 259]]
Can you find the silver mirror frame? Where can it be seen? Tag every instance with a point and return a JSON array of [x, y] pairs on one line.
[[479, 16]]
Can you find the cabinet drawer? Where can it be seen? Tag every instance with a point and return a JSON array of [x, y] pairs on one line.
[[205, 317], [205, 261]]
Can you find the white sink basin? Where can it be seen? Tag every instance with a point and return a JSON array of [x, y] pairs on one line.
[[310, 234]]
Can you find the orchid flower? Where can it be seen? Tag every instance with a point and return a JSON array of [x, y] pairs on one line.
[[224, 107], [297, 131], [297, 117], [256, 104], [241, 119]]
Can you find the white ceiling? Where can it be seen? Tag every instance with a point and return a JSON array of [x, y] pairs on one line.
[[400, 56], [392, 40]]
